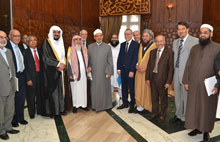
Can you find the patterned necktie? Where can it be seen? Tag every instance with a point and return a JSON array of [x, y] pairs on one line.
[[126, 47], [157, 60], [178, 56], [37, 63], [19, 57]]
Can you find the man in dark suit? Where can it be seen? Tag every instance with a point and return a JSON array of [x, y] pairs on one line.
[[126, 66], [23, 45], [17, 54], [32, 64], [159, 76]]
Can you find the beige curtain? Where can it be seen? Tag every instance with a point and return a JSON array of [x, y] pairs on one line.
[[110, 25]]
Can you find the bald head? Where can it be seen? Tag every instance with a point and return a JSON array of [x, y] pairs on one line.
[[15, 36], [160, 41], [83, 34], [3, 39]]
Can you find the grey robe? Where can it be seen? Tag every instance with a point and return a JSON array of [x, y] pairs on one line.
[[101, 62], [201, 108]]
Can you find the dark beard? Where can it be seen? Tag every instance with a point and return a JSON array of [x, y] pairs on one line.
[[204, 42], [114, 43], [145, 44], [56, 39]]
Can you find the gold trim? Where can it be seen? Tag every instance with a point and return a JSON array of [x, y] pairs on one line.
[[68, 56], [54, 51], [148, 50]]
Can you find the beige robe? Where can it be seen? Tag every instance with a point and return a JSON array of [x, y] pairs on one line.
[[142, 90], [201, 108]]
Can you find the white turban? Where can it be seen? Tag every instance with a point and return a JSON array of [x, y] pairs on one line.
[[207, 26], [97, 31]]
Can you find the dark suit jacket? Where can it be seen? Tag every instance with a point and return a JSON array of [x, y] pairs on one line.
[[131, 57], [21, 46], [9, 46], [165, 66], [30, 65]]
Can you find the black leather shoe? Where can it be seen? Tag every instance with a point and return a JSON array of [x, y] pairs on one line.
[[74, 110], [206, 137], [175, 119], [13, 131], [23, 122], [131, 110], [32, 116], [4, 136], [14, 124], [122, 106], [63, 113], [194, 132], [85, 108]]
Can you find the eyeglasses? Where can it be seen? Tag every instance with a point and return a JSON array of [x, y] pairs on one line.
[[4, 37], [18, 36], [77, 39]]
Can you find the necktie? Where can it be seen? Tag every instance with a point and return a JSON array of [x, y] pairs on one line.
[[19, 57], [156, 63], [126, 47], [37, 63], [179, 51]]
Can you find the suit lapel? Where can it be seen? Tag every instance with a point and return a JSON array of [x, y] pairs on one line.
[[3, 60], [186, 43], [163, 55]]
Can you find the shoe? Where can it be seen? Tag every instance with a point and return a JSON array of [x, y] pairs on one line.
[[206, 137], [175, 119], [122, 106], [85, 108], [32, 116], [63, 113], [194, 132], [23, 122], [14, 124], [13, 131], [4, 136], [131, 110], [161, 119], [152, 116], [74, 110]]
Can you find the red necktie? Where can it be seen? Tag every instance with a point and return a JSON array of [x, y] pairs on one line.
[[37, 63]]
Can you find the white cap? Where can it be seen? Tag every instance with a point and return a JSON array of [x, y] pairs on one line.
[[97, 31], [207, 26]]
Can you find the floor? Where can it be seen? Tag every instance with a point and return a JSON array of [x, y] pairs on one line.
[[107, 126]]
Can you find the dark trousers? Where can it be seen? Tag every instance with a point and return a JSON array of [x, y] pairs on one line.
[[158, 92], [33, 94], [127, 83], [20, 98]]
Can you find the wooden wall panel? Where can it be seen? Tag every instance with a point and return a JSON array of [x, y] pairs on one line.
[[5, 23], [37, 16], [211, 10]]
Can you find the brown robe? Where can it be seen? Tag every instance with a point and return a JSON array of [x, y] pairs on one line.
[[201, 108], [142, 90]]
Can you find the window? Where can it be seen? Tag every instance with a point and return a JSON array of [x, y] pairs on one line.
[[129, 21]]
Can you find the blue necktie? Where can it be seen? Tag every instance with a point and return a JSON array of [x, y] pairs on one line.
[[178, 56]]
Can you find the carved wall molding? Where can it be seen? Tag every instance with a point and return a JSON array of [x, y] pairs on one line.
[[124, 7]]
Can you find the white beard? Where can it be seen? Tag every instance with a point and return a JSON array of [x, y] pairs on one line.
[[78, 47]]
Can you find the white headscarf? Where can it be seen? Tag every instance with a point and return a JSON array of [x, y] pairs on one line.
[[58, 45]]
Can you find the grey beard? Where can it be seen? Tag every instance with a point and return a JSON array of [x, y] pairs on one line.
[[3, 45], [78, 47]]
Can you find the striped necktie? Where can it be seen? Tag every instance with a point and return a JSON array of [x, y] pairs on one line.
[[178, 56], [157, 60]]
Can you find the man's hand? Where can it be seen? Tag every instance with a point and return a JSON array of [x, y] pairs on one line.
[[186, 86], [108, 76], [119, 72], [131, 74], [71, 77], [148, 82], [89, 69], [61, 66], [29, 83], [215, 91], [167, 86]]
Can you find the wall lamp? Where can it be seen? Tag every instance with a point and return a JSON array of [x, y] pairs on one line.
[[170, 6]]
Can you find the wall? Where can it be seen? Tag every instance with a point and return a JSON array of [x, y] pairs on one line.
[[183, 10], [37, 16], [5, 24], [211, 15]]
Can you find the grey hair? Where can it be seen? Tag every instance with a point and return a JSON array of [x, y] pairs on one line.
[[136, 32], [150, 32], [28, 38]]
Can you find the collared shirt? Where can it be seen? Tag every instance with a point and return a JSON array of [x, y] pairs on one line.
[[99, 43], [25, 46], [129, 42], [161, 51], [32, 51], [3, 52], [15, 49], [185, 39]]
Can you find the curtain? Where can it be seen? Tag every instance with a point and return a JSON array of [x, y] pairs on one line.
[[110, 25]]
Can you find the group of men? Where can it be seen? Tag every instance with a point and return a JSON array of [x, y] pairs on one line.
[[142, 68]]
